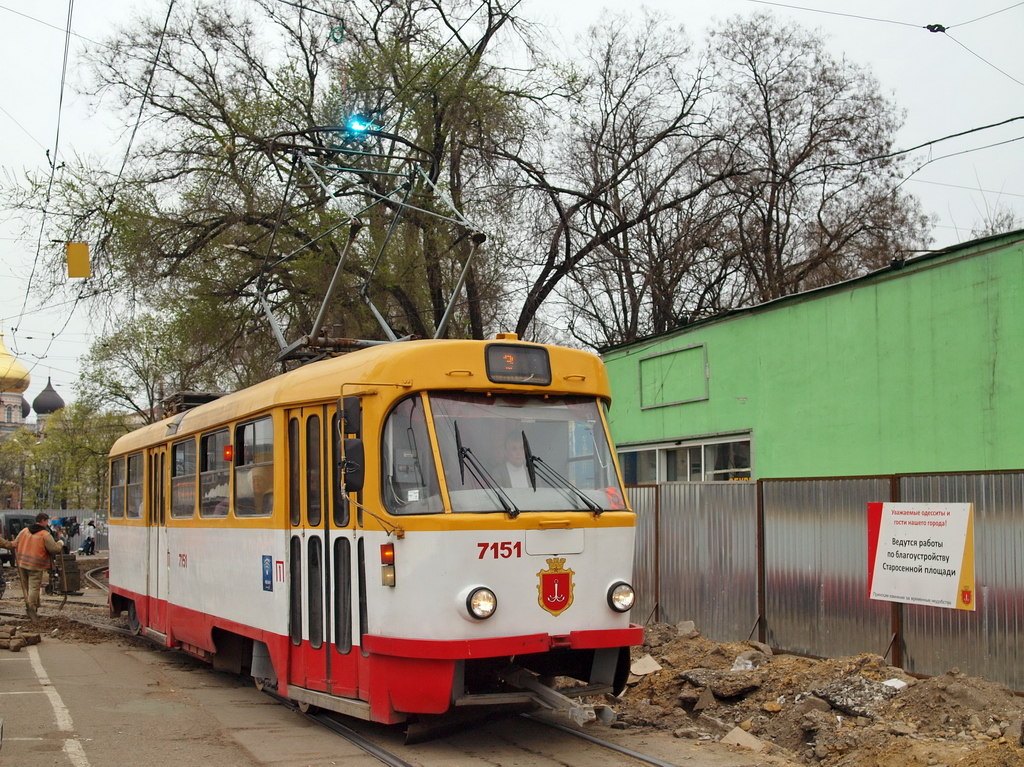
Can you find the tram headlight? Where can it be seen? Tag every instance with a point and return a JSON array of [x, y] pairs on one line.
[[481, 603], [621, 597]]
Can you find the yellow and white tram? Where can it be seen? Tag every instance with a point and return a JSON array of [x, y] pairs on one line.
[[404, 529]]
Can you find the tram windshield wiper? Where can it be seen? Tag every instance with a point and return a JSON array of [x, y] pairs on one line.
[[481, 475], [536, 466], [531, 470]]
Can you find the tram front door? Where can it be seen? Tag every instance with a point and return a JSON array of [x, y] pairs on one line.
[[321, 543]]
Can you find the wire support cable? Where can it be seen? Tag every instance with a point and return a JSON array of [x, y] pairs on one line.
[[53, 173]]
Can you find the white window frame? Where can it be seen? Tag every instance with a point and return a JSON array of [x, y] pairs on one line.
[[662, 449]]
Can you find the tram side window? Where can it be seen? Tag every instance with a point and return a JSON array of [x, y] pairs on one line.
[[213, 475], [117, 488], [409, 474], [254, 468], [183, 479], [133, 490], [314, 491], [294, 479]]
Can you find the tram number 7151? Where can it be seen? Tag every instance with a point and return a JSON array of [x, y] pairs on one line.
[[503, 550]]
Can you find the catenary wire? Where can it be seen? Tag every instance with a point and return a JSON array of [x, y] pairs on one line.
[[836, 13], [982, 58], [53, 173], [48, 24], [311, 10], [23, 128], [1009, 8], [954, 154], [899, 152], [142, 104], [430, 58], [934, 28], [968, 188], [929, 27]]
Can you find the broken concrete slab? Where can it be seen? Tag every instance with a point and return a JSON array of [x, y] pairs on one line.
[[739, 737], [856, 696], [644, 666], [724, 684]]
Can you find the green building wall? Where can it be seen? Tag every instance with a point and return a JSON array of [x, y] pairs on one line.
[[912, 369]]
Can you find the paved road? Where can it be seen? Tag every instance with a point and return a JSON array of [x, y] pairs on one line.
[[95, 705], [82, 704], [102, 705]]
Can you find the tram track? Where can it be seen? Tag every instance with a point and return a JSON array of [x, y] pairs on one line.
[[387, 753]]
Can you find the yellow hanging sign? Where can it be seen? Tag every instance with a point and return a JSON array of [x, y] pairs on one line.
[[78, 259]]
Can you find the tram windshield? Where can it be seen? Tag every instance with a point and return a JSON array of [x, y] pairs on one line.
[[517, 453]]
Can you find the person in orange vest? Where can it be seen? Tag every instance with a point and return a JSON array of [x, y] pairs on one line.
[[32, 550]]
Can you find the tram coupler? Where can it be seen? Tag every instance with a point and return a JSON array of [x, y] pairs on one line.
[[580, 713]]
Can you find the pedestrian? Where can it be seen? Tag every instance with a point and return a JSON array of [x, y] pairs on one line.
[[33, 549], [89, 538]]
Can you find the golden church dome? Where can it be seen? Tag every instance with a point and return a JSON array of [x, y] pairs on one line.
[[14, 376]]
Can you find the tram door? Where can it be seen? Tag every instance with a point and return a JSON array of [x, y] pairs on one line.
[[319, 556], [159, 553]]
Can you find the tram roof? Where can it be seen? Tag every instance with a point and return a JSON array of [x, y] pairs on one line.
[[416, 365]]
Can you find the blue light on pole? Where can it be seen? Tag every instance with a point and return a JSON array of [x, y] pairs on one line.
[[360, 124]]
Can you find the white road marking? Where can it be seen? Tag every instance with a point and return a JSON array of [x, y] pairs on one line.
[[75, 752], [72, 747]]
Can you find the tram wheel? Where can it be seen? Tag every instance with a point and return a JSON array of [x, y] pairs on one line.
[[260, 683], [134, 625], [304, 707]]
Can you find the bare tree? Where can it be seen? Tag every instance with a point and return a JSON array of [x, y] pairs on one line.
[[997, 219], [634, 155], [821, 200]]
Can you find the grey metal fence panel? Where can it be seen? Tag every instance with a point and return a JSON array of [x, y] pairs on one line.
[[988, 642], [708, 556], [644, 501], [816, 585]]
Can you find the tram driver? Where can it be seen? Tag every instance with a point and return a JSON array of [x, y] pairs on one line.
[[513, 469]]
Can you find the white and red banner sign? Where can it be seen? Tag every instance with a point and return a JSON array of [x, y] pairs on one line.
[[922, 554]]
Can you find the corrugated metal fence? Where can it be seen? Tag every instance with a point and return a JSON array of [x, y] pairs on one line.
[[786, 561]]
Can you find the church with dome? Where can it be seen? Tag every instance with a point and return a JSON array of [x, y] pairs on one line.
[[14, 408]]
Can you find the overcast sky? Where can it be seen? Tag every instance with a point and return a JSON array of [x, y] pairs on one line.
[[968, 77]]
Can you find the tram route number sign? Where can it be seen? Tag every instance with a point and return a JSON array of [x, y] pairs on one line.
[[922, 554]]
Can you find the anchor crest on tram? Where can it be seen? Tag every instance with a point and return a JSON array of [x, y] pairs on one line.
[[555, 587]]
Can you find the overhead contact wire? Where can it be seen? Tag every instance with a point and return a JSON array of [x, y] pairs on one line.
[[53, 173]]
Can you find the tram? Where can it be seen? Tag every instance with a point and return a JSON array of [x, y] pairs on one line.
[[397, 532]]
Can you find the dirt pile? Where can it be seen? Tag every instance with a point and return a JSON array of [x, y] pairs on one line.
[[840, 712], [81, 617]]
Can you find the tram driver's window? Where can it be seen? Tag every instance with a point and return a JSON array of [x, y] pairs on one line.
[[213, 475], [409, 475], [254, 468]]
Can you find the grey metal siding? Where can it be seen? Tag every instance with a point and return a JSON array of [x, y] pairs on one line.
[[707, 540], [644, 500], [816, 584], [697, 554], [988, 642]]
